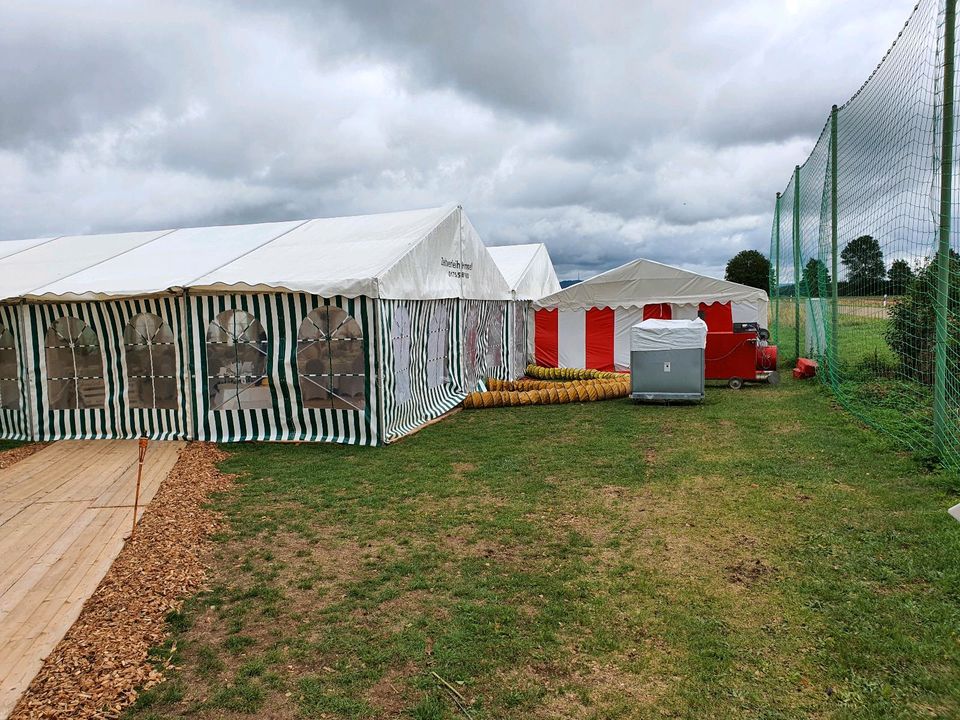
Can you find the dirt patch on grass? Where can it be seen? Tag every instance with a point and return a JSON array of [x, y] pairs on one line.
[[95, 670], [460, 469], [748, 572], [386, 696], [15, 455], [577, 690]]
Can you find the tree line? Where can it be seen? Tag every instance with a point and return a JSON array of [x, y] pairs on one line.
[[862, 258]]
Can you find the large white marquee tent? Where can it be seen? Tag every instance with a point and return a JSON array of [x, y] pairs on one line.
[[587, 325], [530, 275], [352, 329]]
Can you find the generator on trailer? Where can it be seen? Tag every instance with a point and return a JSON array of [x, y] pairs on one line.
[[743, 355]]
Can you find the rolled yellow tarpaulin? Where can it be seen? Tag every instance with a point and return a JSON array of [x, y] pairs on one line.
[[504, 393]]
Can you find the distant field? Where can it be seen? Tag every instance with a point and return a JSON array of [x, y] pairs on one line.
[[760, 556]]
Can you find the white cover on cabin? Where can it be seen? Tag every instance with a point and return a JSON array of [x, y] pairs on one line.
[[669, 335]]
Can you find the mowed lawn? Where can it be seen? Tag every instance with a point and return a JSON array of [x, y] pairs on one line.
[[760, 556]]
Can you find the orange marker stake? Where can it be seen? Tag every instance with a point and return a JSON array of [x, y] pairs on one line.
[[136, 499]]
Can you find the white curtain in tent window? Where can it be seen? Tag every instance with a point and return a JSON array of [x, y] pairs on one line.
[[330, 360], [237, 363], [494, 355], [74, 365], [151, 356], [471, 336], [400, 339], [438, 346], [9, 383]]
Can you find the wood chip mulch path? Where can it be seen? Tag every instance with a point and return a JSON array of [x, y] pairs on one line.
[[15, 455], [95, 671]]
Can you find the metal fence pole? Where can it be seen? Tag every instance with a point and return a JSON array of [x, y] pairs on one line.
[[775, 286], [940, 415], [834, 318], [796, 260]]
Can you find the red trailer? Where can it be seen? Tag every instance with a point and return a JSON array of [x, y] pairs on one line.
[[741, 356]]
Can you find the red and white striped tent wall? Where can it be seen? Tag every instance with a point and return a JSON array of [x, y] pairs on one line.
[[587, 325]]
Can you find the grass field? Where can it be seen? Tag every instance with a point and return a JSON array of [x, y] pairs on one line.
[[760, 556]]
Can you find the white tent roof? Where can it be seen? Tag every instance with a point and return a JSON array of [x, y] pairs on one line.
[[645, 282], [416, 255], [527, 269]]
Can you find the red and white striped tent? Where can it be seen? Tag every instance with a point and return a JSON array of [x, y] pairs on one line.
[[587, 325]]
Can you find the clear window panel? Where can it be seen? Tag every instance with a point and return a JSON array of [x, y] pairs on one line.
[[63, 394], [140, 392], [237, 362], [74, 366], [91, 393], [9, 394], [165, 393], [330, 351]]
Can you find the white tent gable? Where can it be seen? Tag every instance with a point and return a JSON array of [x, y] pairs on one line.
[[645, 282], [420, 254], [527, 269]]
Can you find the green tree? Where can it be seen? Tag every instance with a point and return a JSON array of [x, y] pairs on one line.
[[749, 267], [866, 270], [900, 275], [815, 276], [911, 329]]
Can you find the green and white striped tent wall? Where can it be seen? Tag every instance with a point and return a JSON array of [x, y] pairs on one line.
[[386, 417], [14, 424], [472, 356], [281, 315], [116, 419]]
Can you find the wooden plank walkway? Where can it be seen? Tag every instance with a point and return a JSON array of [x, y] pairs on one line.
[[64, 513]]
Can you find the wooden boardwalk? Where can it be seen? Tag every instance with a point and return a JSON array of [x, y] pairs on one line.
[[64, 513]]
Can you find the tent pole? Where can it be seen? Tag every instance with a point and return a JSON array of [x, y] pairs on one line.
[[941, 421], [187, 374], [796, 260], [20, 309]]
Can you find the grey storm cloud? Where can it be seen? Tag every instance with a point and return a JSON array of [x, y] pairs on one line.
[[607, 130]]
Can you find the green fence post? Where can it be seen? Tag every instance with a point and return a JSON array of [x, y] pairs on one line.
[[834, 317], [776, 272], [796, 260], [940, 417]]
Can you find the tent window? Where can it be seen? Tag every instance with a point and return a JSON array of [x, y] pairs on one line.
[[237, 363], [438, 347], [151, 363], [330, 360], [495, 339], [9, 383], [400, 337], [74, 366], [471, 334]]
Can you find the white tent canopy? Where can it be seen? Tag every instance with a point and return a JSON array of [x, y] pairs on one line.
[[527, 269], [645, 282], [416, 255]]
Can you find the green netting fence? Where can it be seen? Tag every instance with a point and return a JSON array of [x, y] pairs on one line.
[[865, 275]]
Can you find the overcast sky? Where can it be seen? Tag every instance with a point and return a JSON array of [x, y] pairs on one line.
[[608, 130]]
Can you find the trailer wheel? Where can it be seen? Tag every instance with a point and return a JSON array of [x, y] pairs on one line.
[[735, 383], [773, 378]]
